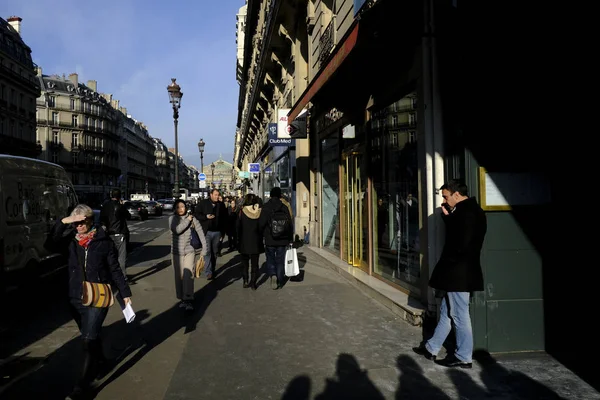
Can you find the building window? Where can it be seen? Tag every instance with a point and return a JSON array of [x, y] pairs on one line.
[[1, 125], [87, 122], [12, 128], [20, 131], [55, 157], [74, 118], [21, 98], [55, 137], [75, 139], [75, 178], [75, 157], [52, 101], [54, 118], [72, 102]]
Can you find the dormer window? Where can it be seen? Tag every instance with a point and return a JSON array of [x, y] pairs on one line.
[[50, 85]]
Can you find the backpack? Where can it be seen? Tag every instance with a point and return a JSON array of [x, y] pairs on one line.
[[280, 223]]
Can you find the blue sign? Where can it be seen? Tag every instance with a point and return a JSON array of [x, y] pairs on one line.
[[254, 168], [274, 140], [357, 5], [202, 177]]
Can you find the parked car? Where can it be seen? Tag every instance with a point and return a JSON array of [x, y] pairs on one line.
[[154, 208], [167, 204], [137, 210]]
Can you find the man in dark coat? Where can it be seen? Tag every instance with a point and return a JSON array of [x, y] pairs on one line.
[[275, 248], [212, 215], [457, 274], [114, 217]]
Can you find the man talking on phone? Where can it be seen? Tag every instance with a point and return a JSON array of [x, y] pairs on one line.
[[212, 215], [457, 274]]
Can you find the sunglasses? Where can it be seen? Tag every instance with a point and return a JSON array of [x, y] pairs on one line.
[[85, 221]]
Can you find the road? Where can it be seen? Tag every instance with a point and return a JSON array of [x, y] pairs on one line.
[[144, 231]]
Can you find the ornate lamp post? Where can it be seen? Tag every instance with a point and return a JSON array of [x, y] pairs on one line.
[[175, 95], [212, 169], [201, 145]]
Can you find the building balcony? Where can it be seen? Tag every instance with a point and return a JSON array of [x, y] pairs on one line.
[[326, 43]]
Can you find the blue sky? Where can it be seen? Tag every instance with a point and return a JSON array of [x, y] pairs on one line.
[[134, 47]]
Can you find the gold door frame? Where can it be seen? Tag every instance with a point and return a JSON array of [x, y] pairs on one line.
[[355, 211]]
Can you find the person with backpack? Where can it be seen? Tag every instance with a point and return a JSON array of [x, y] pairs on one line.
[[113, 217], [276, 225]]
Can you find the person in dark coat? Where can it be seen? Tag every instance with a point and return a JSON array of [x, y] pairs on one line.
[[93, 257], [457, 274], [275, 248], [212, 215], [250, 240]]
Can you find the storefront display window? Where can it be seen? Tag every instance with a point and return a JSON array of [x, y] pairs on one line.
[[394, 166], [330, 203]]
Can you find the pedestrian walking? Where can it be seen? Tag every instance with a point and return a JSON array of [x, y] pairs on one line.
[[250, 243], [181, 223], [457, 274], [92, 258], [232, 234], [212, 215], [113, 217], [275, 223]]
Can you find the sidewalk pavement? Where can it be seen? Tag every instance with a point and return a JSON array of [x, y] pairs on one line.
[[317, 338]]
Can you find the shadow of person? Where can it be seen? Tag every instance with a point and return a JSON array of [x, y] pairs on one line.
[[164, 325], [499, 379], [298, 389], [55, 377], [350, 382], [413, 384], [149, 271]]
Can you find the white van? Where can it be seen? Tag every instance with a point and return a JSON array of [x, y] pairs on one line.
[[33, 195]]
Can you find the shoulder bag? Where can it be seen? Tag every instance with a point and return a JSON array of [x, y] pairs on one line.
[[95, 294]]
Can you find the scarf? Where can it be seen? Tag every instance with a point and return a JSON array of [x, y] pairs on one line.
[[84, 239]]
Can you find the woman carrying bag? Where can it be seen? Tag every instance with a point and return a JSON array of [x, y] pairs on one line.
[[182, 222], [250, 240], [93, 268]]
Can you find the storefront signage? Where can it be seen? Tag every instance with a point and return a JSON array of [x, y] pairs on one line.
[[276, 141], [254, 168]]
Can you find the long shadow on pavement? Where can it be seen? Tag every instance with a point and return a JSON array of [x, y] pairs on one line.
[[164, 325]]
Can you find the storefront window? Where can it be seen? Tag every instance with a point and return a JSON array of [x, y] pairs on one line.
[[330, 194], [394, 167]]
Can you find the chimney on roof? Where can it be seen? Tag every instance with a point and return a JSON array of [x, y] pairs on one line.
[[115, 104], [15, 22], [124, 111], [92, 85], [38, 71], [74, 78]]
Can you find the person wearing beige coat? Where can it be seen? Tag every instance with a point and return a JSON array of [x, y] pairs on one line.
[[181, 224]]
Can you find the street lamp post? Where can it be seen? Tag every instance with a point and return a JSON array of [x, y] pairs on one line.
[[175, 95], [212, 170], [201, 145]]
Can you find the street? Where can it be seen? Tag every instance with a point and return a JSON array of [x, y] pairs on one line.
[[317, 338]]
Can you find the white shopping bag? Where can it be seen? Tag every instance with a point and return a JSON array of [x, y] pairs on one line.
[[292, 268]]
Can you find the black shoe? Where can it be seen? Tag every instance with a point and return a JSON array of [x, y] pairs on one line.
[[422, 351], [452, 362], [246, 284]]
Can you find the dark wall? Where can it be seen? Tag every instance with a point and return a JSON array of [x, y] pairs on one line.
[[504, 95]]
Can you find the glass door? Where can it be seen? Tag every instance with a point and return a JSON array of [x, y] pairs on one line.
[[354, 210]]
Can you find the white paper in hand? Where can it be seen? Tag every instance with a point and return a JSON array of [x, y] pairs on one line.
[[128, 313]]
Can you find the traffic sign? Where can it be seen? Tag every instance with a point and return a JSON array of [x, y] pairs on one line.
[[202, 176], [202, 185], [254, 167]]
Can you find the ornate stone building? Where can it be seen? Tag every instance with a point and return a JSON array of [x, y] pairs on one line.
[[78, 128], [19, 88], [164, 184]]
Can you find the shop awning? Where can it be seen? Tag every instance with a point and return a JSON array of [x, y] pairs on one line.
[[342, 51]]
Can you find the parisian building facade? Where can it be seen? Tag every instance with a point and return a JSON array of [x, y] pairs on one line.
[[19, 89], [360, 113], [79, 129]]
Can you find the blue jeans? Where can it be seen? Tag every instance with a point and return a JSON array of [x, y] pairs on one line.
[[89, 319], [454, 309], [276, 262], [212, 244]]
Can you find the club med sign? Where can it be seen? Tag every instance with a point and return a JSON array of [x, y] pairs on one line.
[[274, 140]]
